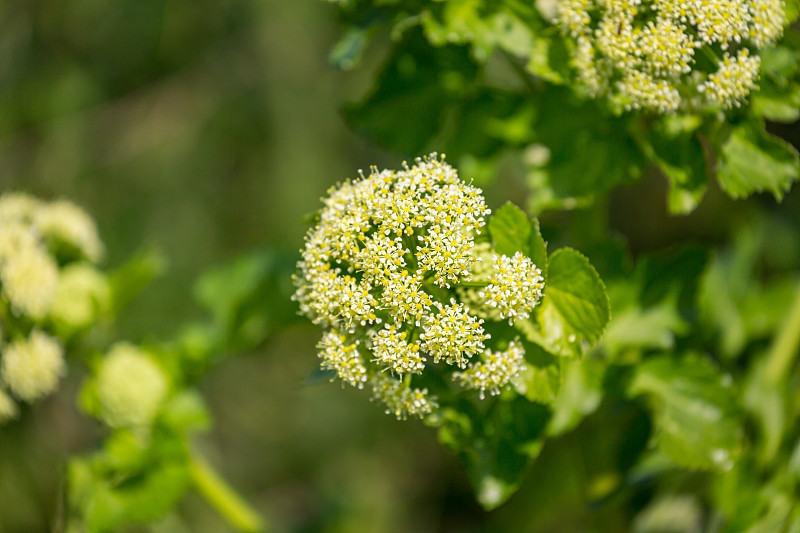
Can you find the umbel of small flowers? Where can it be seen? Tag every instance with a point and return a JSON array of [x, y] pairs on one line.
[[47, 284], [668, 55], [401, 277]]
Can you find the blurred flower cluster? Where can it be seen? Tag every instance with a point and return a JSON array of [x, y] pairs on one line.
[[666, 55], [49, 290], [397, 274]]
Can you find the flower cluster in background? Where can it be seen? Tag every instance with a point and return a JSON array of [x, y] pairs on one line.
[[666, 55], [49, 289], [384, 272]]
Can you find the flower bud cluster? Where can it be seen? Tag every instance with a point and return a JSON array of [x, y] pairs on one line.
[[383, 271], [47, 284], [131, 387], [666, 55]]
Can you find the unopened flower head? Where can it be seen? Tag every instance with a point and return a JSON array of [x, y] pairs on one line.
[[666, 55], [131, 387], [68, 223], [383, 270], [82, 295], [33, 367], [8, 408], [29, 279], [33, 234]]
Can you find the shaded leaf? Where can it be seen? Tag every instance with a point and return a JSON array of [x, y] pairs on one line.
[[698, 424], [751, 160]]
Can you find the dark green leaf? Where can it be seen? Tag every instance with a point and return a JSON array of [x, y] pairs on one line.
[[495, 446], [414, 92]]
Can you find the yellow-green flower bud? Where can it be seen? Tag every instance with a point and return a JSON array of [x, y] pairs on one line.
[[82, 294], [64, 221], [18, 207], [29, 279], [32, 368], [131, 387], [8, 409]]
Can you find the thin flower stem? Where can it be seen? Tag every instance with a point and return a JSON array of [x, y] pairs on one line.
[[786, 344], [223, 498]]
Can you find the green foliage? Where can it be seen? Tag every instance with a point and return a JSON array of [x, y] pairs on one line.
[[574, 311], [477, 78], [697, 423]]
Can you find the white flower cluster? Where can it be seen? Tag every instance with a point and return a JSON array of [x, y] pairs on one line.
[[495, 370], [46, 282], [665, 55], [381, 272]]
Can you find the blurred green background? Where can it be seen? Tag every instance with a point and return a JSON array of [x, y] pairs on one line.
[[205, 129]]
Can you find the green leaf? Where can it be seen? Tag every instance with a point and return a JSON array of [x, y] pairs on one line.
[[538, 248], [496, 446], [637, 328], [235, 293], [127, 281], [697, 421], [680, 156], [510, 230], [417, 88], [591, 151], [346, 54], [574, 311], [581, 394], [133, 481], [751, 160]]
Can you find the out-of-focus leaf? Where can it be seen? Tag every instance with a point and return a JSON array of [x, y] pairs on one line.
[[510, 230], [540, 384], [670, 513], [581, 393], [128, 280], [697, 420], [549, 59], [186, 411], [129, 484], [420, 85], [648, 328], [574, 311], [767, 402], [751, 160], [591, 151], [346, 54], [680, 156], [235, 295], [495, 446], [538, 248]]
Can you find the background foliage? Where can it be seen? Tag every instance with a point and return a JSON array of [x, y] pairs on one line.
[[208, 130]]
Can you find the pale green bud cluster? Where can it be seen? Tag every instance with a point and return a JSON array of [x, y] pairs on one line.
[[48, 287], [131, 387], [31, 368], [668, 55], [383, 273]]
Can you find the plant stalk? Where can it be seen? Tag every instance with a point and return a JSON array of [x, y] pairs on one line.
[[786, 345], [223, 498]]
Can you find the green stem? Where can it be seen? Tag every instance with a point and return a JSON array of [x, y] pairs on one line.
[[223, 498], [786, 344]]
